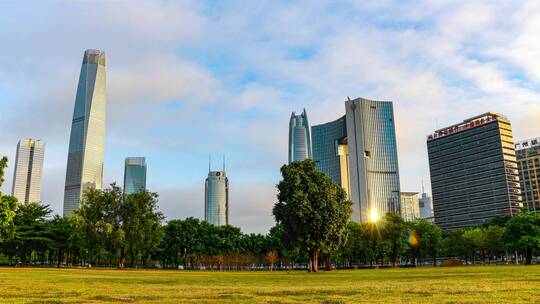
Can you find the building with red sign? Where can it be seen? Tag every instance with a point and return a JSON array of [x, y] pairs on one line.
[[216, 197], [474, 173]]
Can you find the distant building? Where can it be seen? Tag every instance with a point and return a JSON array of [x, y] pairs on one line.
[[528, 158], [28, 171], [134, 175], [474, 175], [87, 140], [409, 206], [216, 203], [359, 152], [426, 206], [299, 137]]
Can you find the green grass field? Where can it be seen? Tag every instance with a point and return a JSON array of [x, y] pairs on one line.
[[472, 284]]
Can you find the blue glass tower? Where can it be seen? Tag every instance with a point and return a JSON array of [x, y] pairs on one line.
[[87, 140], [134, 175], [299, 137]]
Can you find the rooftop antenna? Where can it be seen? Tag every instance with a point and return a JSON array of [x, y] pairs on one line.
[[223, 163], [209, 162]]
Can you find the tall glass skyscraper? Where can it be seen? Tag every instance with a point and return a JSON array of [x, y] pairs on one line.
[[299, 137], [134, 175], [359, 152], [375, 188], [28, 171], [216, 198], [87, 140]]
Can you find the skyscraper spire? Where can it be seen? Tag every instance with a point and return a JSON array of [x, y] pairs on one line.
[[209, 162], [223, 163]]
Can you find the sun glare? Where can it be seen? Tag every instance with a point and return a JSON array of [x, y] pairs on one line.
[[373, 215]]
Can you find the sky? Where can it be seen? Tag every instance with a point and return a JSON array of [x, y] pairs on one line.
[[189, 79]]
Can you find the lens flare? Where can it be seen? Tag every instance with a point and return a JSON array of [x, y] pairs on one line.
[[413, 239]]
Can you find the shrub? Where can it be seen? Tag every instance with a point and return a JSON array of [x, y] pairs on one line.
[[451, 262]]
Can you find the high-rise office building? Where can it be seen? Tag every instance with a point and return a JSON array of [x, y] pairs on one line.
[[87, 140], [330, 151], [299, 137], [474, 175], [359, 152], [528, 158], [134, 175], [216, 198], [426, 206], [28, 171], [410, 210]]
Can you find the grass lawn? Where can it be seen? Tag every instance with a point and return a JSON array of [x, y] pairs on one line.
[[471, 284]]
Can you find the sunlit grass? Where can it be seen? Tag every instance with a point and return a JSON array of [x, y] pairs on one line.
[[480, 284]]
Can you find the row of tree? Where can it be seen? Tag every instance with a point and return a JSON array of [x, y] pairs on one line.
[[312, 215]]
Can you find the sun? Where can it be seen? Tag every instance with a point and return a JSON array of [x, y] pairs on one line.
[[373, 215]]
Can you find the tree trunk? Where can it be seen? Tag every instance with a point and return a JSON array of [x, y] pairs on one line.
[[310, 261], [528, 255], [328, 262], [315, 261], [132, 259], [122, 259]]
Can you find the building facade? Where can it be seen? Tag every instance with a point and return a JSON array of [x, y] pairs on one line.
[[28, 171], [359, 152], [528, 158], [474, 175], [134, 175], [87, 140], [299, 137], [375, 187], [426, 206], [410, 208], [330, 151], [216, 198]]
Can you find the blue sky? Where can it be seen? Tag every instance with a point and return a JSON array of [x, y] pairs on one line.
[[191, 78]]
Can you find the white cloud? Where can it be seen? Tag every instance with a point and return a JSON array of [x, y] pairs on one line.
[[190, 78]]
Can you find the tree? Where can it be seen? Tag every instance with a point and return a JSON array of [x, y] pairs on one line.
[[493, 236], [523, 233], [430, 240], [453, 245], [271, 257], [141, 222], [312, 209], [474, 241], [61, 233], [31, 233], [119, 224], [394, 229], [8, 207]]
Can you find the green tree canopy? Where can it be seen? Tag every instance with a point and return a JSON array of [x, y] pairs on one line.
[[111, 221], [523, 233], [8, 207], [312, 209], [394, 230]]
